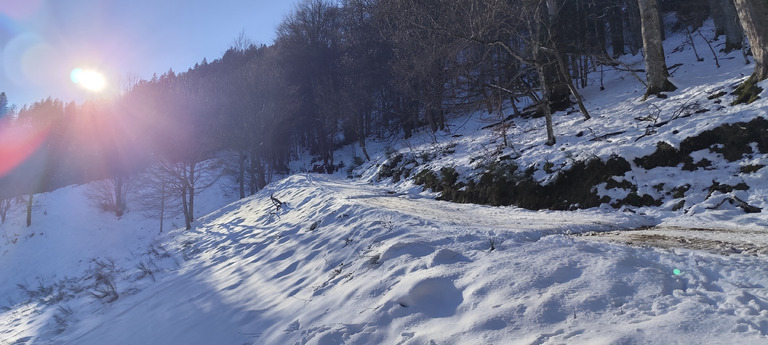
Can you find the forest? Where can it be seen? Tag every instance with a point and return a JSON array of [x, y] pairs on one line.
[[344, 72]]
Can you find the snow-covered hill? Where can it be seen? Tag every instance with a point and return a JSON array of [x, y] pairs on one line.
[[677, 152], [371, 260], [346, 262]]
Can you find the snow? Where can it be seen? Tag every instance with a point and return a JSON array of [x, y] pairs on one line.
[[363, 261]]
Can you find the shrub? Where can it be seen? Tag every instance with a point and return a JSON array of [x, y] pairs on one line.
[[109, 195], [103, 283]]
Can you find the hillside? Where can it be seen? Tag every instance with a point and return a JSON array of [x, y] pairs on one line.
[[640, 234], [689, 141], [688, 160]]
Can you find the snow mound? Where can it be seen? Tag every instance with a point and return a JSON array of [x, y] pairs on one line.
[[433, 297]]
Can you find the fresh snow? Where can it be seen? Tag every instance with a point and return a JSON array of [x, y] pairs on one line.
[[363, 261]]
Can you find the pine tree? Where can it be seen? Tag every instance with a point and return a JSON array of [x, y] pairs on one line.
[[4, 108]]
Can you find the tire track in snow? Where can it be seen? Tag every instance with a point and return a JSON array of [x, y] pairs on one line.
[[479, 216], [718, 241]]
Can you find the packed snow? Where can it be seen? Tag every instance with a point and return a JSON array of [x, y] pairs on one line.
[[364, 261]]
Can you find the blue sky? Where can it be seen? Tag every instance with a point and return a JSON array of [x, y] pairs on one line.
[[42, 41]]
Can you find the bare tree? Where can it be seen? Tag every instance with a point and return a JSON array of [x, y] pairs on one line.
[[655, 64], [184, 179], [426, 45], [532, 27], [154, 198], [254, 93], [309, 43], [6, 205], [552, 46]]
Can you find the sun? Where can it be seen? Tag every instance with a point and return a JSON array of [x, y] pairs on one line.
[[89, 79]]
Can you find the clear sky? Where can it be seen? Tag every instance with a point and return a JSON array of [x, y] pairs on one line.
[[43, 41]]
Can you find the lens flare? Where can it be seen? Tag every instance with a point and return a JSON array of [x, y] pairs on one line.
[[677, 272], [88, 79], [20, 9], [17, 144]]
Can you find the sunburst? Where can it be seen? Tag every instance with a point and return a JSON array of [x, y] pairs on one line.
[[89, 79]]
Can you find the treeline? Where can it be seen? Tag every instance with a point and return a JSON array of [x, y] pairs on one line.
[[341, 72]]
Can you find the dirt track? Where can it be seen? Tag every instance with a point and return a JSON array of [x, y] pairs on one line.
[[719, 241]]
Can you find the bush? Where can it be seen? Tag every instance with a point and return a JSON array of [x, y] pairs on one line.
[[103, 283], [109, 195]]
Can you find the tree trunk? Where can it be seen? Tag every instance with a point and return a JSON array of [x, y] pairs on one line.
[[734, 35], [120, 203], [429, 114], [617, 31], [718, 16], [185, 208], [361, 139], [191, 207], [258, 173], [29, 210], [162, 206], [191, 179], [597, 28], [662, 32], [409, 114], [361, 132], [544, 104], [557, 78], [565, 75], [559, 94], [635, 28], [241, 173], [5, 206], [753, 15], [253, 175], [655, 64]]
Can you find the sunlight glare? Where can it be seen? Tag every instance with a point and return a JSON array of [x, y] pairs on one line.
[[89, 79]]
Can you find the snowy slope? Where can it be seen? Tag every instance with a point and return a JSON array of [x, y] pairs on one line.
[[622, 125], [387, 268], [363, 261]]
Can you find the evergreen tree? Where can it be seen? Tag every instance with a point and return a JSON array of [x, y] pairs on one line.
[[4, 107]]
